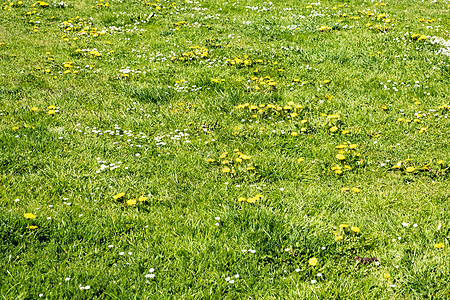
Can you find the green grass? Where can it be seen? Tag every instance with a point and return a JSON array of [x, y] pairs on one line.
[[148, 105]]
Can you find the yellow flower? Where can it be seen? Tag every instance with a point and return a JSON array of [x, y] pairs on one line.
[[29, 216], [338, 238], [301, 159], [333, 129], [386, 276], [343, 226], [242, 199], [31, 226], [51, 112], [340, 156], [355, 229], [410, 169], [51, 107], [131, 202], [118, 196], [355, 190], [15, 128], [34, 108], [439, 246], [345, 189], [252, 200], [142, 199], [294, 133], [223, 155], [312, 261], [210, 160], [226, 170]]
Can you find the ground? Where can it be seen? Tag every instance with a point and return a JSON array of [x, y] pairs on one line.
[[211, 149]]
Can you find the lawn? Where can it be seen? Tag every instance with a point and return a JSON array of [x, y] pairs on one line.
[[224, 149]]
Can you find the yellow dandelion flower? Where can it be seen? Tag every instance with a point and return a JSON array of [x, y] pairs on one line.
[[345, 189], [242, 199], [410, 169], [118, 196], [386, 276], [312, 261], [142, 199], [301, 159], [355, 229], [29, 216], [131, 202], [343, 226], [226, 170], [34, 109], [259, 196], [338, 238], [252, 200], [439, 246], [32, 226], [340, 156], [355, 190]]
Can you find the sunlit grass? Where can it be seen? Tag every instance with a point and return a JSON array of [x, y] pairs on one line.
[[178, 149]]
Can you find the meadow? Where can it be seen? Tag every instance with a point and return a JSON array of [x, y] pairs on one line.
[[155, 149]]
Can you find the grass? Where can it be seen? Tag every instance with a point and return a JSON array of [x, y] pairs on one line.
[[247, 138]]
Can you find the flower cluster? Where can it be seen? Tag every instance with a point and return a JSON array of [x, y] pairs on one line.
[[196, 52], [348, 158], [121, 197], [233, 163], [251, 200]]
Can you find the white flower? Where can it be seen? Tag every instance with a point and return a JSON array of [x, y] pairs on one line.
[[227, 279], [121, 253], [405, 224], [151, 270], [68, 278], [231, 281], [236, 276], [149, 275], [217, 218], [217, 224], [319, 274], [297, 270], [313, 281]]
